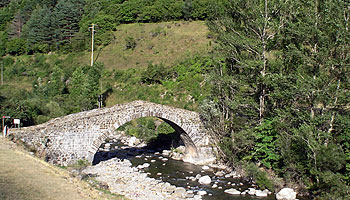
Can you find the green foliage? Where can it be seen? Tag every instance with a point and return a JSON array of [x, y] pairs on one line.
[[164, 128], [84, 87], [259, 176], [266, 149], [130, 43], [282, 90], [39, 29], [3, 41], [66, 15], [16, 46], [155, 74]]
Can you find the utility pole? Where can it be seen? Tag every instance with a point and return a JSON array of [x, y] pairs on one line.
[[92, 61], [92, 43]]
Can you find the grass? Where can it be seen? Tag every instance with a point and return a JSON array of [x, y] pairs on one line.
[[166, 42], [25, 177]]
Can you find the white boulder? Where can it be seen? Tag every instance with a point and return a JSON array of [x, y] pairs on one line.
[[286, 194], [260, 193]]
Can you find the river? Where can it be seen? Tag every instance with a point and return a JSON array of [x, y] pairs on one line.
[[178, 173]]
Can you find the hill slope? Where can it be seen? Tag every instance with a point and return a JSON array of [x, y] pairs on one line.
[[166, 42]]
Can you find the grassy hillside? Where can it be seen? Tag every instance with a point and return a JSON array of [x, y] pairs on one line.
[[167, 43], [159, 62]]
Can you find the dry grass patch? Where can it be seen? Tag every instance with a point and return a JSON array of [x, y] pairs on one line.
[[166, 42]]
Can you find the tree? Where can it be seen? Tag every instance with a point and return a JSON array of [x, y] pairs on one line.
[[245, 32], [282, 81], [67, 15], [84, 87], [39, 28]]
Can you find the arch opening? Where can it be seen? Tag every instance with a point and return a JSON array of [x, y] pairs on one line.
[[145, 135]]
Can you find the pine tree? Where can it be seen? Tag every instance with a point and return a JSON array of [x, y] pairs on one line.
[[67, 15], [39, 28]]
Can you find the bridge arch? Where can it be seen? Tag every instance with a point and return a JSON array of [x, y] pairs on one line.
[[191, 149], [78, 136]]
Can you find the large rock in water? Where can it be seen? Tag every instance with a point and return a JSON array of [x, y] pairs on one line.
[[204, 180], [286, 194]]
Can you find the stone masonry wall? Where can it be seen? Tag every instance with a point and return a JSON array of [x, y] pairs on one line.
[[65, 140]]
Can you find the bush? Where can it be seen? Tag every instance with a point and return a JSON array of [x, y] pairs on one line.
[[164, 128], [259, 176], [16, 46], [155, 74], [130, 43]]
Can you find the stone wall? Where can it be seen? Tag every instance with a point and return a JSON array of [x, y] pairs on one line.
[[65, 140]]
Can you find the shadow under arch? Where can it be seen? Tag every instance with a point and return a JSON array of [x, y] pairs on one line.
[[190, 148]]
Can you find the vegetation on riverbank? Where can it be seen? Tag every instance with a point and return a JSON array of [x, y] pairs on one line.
[[280, 96]]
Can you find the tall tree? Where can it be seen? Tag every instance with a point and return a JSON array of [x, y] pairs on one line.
[[67, 15], [244, 31], [39, 28]]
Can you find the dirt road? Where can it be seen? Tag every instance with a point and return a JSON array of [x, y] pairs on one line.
[[23, 176]]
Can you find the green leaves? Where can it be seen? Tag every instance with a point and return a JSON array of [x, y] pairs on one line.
[[286, 65], [84, 87]]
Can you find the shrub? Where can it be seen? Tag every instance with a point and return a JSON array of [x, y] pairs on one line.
[[16, 46], [130, 43], [259, 176]]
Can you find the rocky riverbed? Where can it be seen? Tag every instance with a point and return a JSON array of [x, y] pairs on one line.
[[126, 166], [124, 179]]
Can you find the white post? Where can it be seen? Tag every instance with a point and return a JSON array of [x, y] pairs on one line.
[[92, 43]]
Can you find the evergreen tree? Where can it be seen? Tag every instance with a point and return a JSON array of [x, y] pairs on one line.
[[15, 29], [67, 15], [39, 28]]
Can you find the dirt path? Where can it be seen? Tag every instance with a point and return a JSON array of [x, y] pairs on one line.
[[23, 176]]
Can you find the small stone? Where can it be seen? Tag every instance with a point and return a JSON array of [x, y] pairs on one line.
[[205, 180], [145, 165], [189, 194], [153, 160], [214, 186], [180, 192], [164, 164], [232, 191], [205, 167], [202, 192], [198, 176], [159, 174], [164, 159], [219, 173]]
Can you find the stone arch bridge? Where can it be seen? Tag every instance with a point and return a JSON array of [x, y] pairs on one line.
[[65, 140]]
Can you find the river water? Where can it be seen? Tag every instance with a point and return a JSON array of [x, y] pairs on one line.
[[177, 172]]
